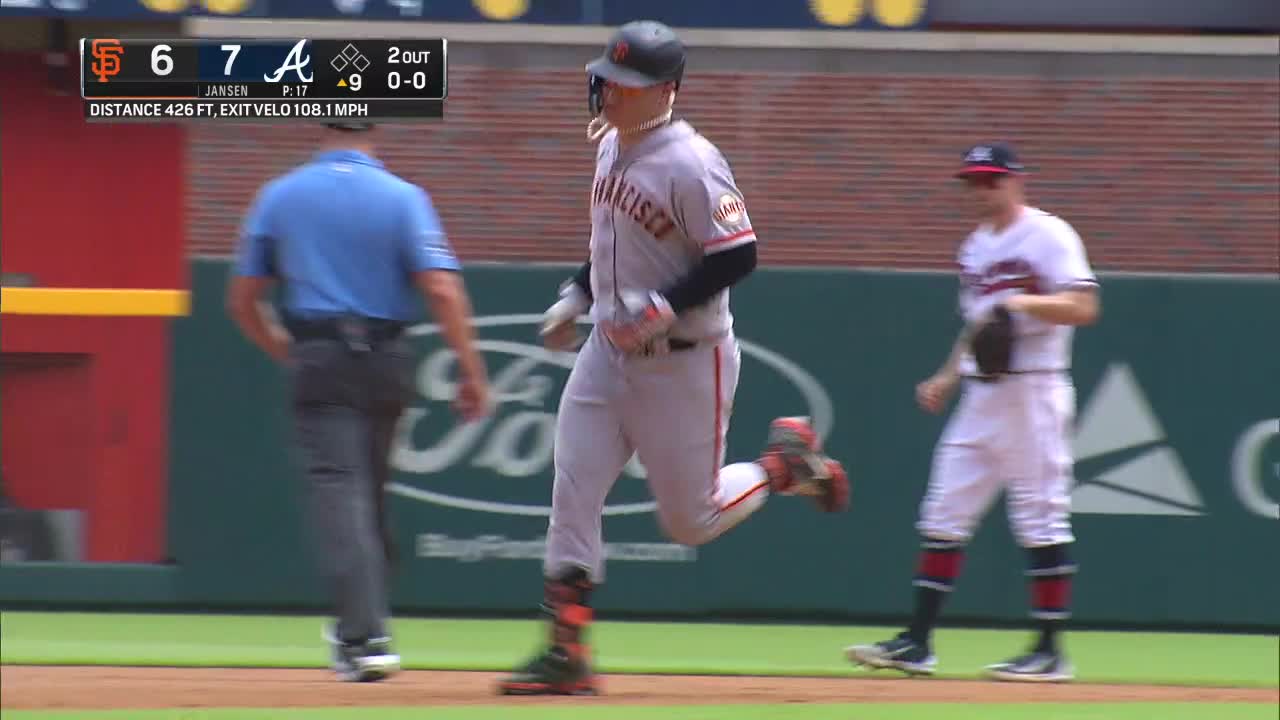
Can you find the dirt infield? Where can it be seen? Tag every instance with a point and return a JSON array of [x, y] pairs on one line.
[[105, 688]]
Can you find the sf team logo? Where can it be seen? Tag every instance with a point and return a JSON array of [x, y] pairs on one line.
[[729, 210], [620, 51], [106, 58]]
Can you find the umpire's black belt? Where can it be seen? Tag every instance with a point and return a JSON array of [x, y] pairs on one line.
[[352, 329]]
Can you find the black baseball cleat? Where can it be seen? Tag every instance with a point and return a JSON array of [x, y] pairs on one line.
[[552, 672], [1033, 667], [901, 653]]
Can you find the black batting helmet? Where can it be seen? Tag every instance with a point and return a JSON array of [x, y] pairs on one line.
[[640, 53]]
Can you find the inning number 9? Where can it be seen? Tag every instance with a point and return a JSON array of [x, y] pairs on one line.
[[161, 63], [355, 82]]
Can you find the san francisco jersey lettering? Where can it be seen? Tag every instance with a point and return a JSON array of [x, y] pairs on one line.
[[657, 209]]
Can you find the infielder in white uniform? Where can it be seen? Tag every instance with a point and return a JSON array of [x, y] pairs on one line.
[[1011, 431], [656, 376]]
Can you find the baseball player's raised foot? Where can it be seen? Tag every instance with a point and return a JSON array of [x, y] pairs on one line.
[[901, 653], [835, 489], [795, 465], [1033, 667], [793, 432], [552, 672]]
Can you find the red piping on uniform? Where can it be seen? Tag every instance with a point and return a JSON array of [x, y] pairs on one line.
[[730, 238], [738, 500], [715, 460]]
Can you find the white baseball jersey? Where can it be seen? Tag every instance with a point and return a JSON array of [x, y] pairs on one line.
[[1038, 253], [657, 208]]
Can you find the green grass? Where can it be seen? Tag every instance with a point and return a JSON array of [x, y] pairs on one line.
[[1045, 711], [267, 641]]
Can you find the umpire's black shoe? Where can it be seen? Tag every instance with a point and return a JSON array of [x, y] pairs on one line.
[[553, 672], [369, 661], [901, 653], [1033, 667]]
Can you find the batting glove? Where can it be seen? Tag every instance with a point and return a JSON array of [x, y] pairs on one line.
[[650, 316], [572, 303]]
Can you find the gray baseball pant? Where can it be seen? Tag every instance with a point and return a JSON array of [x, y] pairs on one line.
[[345, 407]]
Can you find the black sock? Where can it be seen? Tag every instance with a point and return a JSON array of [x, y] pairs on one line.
[[1048, 641], [928, 607], [567, 605], [939, 566], [1050, 570]]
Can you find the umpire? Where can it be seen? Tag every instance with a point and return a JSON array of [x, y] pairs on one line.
[[352, 246]]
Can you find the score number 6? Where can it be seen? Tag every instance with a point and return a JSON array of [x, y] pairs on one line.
[[161, 62]]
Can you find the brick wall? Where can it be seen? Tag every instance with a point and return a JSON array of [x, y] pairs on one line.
[[1156, 174]]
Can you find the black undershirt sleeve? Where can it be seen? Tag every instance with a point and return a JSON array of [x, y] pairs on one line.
[[715, 273], [583, 279]]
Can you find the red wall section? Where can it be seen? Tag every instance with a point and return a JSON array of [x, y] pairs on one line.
[[47, 429], [88, 206], [95, 438]]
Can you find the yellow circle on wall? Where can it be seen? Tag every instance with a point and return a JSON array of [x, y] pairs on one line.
[[898, 13], [165, 6], [501, 9], [836, 12], [226, 7]]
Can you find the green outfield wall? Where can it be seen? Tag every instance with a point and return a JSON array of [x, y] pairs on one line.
[[1177, 442]]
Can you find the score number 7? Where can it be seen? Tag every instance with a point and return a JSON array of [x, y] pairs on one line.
[[234, 50]]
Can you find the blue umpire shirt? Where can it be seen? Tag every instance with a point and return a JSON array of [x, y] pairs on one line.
[[343, 235]]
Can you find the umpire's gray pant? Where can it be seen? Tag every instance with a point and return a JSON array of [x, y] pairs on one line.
[[345, 406]]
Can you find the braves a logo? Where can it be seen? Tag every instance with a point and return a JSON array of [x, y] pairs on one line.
[[620, 51], [980, 154]]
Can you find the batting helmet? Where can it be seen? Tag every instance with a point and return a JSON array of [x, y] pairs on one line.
[[640, 53]]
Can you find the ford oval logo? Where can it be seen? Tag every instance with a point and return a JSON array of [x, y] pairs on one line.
[[432, 451]]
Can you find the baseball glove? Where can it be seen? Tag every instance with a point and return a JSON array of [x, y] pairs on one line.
[[992, 343]]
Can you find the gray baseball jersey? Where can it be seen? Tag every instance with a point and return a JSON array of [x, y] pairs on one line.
[[656, 209]]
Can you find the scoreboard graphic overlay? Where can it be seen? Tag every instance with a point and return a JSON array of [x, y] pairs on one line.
[[297, 80]]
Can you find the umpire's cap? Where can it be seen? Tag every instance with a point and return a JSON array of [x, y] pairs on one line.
[[641, 53]]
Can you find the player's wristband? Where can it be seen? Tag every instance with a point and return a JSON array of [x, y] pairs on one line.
[[572, 292], [582, 279]]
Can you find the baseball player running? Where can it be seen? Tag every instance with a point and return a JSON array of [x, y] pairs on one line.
[[1025, 282], [657, 374]]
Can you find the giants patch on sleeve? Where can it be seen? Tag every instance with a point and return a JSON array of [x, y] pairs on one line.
[[729, 211]]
